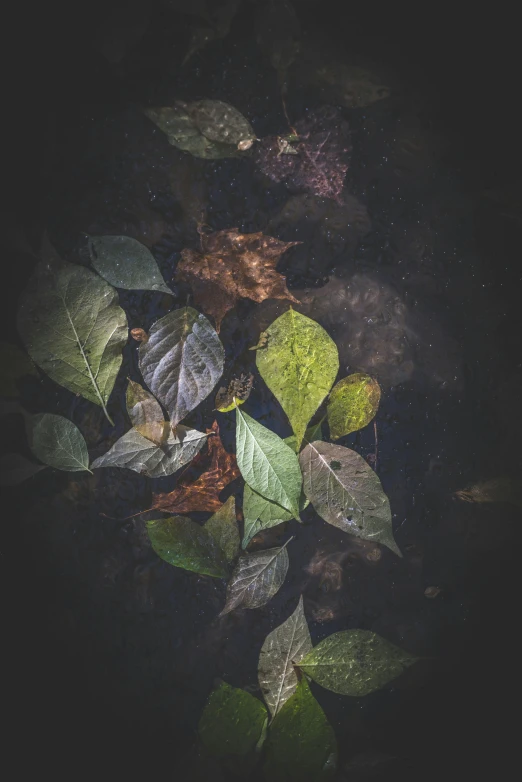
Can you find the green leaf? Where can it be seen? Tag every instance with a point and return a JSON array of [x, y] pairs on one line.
[[256, 578], [73, 328], [222, 526], [260, 513], [355, 662], [267, 464], [56, 441], [15, 365], [146, 415], [314, 432], [183, 543], [181, 361], [126, 263], [347, 493], [282, 648], [301, 745], [352, 404], [232, 722], [138, 453], [299, 365], [15, 468]]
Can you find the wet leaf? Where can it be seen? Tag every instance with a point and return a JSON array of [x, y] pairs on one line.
[[236, 393], [232, 722], [267, 463], [301, 745], [355, 662], [314, 432], [352, 404], [126, 263], [183, 543], [15, 365], [181, 361], [146, 415], [202, 494], [503, 489], [346, 492], [232, 266], [260, 513], [15, 468], [349, 85], [222, 527], [138, 453], [283, 647], [256, 578], [73, 328], [56, 441], [278, 35], [299, 365]]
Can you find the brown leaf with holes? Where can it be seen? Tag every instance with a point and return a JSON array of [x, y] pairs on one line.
[[201, 494], [232, 266]]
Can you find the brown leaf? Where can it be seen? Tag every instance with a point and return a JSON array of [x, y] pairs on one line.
[[233, 266], [203, 493], [139, 335]]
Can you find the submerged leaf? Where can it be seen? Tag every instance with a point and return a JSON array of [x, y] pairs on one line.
[[260, 513], [352, 404], [355, 662], [222, 527], [146, 415], [73, 328], [232, 722], [181, 361], [282, 648], [126, 263], [301, 745], [256, 578], [15, 468], [183, 543], [346, 492], [299, 365], [15, 365], [348, 85], [56, 441], [503, 489]]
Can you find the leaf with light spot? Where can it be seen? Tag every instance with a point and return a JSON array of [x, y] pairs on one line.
[[352, 404], [126, 263], [146, 415]]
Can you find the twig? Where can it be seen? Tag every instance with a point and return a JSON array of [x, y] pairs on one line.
[[376, 444]]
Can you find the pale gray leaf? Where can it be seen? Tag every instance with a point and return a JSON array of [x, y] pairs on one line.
[[256, 578], [56, 441], [126, 263], [15, 468]]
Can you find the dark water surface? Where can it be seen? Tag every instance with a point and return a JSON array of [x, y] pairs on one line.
[[114, 651]]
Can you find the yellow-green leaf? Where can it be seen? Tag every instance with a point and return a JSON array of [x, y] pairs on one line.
[[352, 404]]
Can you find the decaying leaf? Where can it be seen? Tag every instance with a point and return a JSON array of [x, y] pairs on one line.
[[126, 263], [146, 415], [237, 392], [15, 365], [352, 404], [15, 468], [256, 578], [503, 489], [183, 543], [232, 722], [56, 441], [222, 527], [432, 592], [140, 335], [231, 266], [203, 493]]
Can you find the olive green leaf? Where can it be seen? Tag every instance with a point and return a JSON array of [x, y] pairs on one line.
[[181, 361], [56, 441], [232, 722], [347, 493], [282, 648], [314, 432], [126, 263], [301, 745], [15, 365], [501, 489], [138, 453], [299, 365], [146, 415], [222, 526], [15, 468], [183, 543], [256, 578], [355, 662], [260, 513], [352, 404], [73, 328], [267, 463]]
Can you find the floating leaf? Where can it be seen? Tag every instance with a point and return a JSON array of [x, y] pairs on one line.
[[352, 404], [314, 432], [15, 468], [260, 513], [183, 543], [15, 365], [256, 578], [139, 453], [236, 393], [56, 441], [202, 494], [73, 329], [503, 489], [283, 647], [146, 415], [346, 492], [181, 361], [126, 263], [232, 266], [267, 463], [299, 365], [222, 527], [232, 722], [301, 745], [355, 662]]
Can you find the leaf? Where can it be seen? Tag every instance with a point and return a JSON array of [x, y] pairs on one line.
[[267, 463], [222, 527], [218, 19], [232, 266], [283, 647], [355, 662], [56, 441], [314, 432], [202, 494], [352, 404], [15, 365], [348, 85], [183, 543], [346, 492], [236, 393], [138, 453], [73, 328], [15, 468], [260, 513], [503, 489], [181, 361], [299, 365], [278, 35], [256, 578], [146, 415], [232, 722], [301, 745], [126, 263]]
